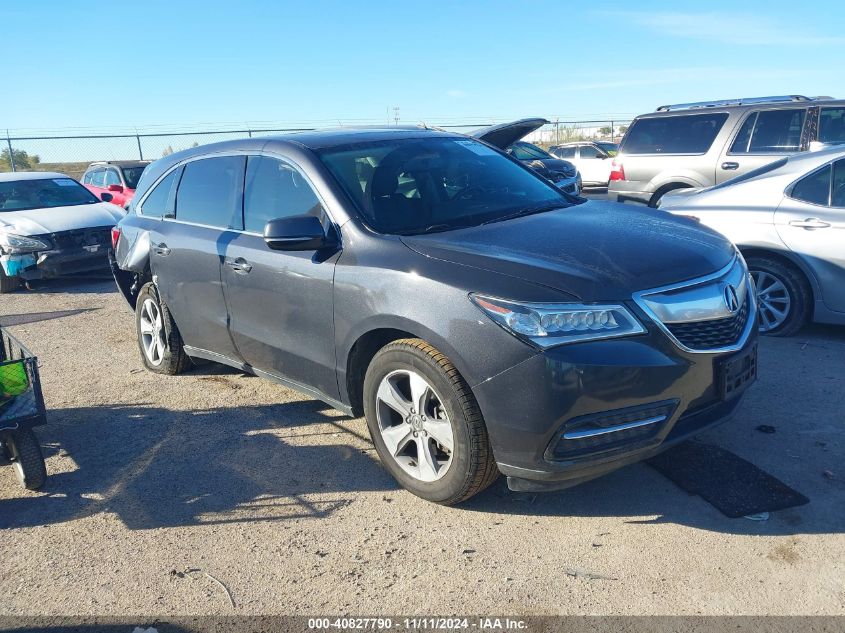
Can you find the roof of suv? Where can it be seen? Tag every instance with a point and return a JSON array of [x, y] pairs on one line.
[[741, 105], [120, 163]]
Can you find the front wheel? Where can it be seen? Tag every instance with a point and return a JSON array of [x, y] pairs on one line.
[[784, 299], [426, 424], [23, 449]]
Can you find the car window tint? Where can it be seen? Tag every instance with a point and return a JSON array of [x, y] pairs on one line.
[[99, 178], [683, 134], [527, 151], [777, 131], [564, 152], [837, 198], [211, 192], [832, 125], [275, 190], [588, 151], [86, 178], [740, 144], [159, 200], [814, 188], [112, 178]]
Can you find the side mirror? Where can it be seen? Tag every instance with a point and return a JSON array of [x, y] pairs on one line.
[[296, 233], [106, 197], [116, 188]]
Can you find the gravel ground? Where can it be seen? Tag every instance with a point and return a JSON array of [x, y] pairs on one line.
[[282, 500]]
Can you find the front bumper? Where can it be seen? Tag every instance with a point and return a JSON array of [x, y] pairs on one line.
[[623, 191], [569, 185], [73, 252], [648, 378]]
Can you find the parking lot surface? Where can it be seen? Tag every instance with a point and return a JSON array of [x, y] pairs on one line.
[[161, 486]]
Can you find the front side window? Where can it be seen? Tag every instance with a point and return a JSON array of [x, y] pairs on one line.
[[274, 190], [832, 125], [112, 178], [44, 193], [814, 188], [770, 132], [588, 151], [425, 185], [527, 151], [86, 178], [98, 179], [211, 192], [565, 152], [159, 202], [682, 134]]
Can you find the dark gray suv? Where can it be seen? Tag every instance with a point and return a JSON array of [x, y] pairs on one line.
[[483, 320]]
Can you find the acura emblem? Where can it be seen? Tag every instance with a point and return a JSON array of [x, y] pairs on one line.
[[731, 300]]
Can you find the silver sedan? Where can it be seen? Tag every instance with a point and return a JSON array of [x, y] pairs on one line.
[[788, 220]]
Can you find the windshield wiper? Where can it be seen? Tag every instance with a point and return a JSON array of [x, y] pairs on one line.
[[523, 212]]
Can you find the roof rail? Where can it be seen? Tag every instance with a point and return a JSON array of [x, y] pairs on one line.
[[733, 102]]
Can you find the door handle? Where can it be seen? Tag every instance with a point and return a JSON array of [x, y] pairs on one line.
[[161, 249], [730, 165], [810, 224], [239, 265]]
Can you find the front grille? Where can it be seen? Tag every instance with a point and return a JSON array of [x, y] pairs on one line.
[[79, 238], [713, 334]]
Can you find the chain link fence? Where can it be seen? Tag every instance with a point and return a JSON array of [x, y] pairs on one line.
[[71, 155]]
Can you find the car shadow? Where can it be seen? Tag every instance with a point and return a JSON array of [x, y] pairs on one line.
[[155, 467], [89, 283]]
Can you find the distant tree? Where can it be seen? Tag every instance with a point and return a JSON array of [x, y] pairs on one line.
[[22, 159], [623, 129], [606, 130], [167, 151], [195, 144]]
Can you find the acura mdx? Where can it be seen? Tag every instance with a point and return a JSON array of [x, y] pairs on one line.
[[482, 320]]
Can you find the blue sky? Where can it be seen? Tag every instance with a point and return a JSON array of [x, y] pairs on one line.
[[312, 62]]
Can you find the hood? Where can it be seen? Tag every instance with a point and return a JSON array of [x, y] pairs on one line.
[[503, 135], [595, 250], [57, 219]]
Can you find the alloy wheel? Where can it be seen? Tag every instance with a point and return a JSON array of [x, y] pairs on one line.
[[152, 332], [414, 425], [773, 300]]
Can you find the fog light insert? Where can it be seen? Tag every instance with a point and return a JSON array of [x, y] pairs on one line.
[[608, 430]]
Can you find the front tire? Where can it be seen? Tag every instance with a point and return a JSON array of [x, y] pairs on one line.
[[159, 341], [426, 424], [784, 298], [25, 453]]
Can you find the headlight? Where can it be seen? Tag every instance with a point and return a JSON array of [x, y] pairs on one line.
[[550, 324], [10, 243]]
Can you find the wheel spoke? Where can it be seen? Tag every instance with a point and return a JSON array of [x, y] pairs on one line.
[[419, 391], [426, 461], [389, 395], [146, 326], [397, 437], [441, 432], [767, 319]]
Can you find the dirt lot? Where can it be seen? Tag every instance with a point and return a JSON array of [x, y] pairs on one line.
[[283, 500]]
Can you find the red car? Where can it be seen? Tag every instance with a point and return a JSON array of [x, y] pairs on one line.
[[116, 177]]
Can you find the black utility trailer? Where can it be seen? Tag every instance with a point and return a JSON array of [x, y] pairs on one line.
[[21, 408]]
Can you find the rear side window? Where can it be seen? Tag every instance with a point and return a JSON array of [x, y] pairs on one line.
[[211, 192], [832, 125], [837, 196], [588, 151], [274, 190], [814, 188], [770, 132], [564, 152], [98, 178], [160, 202], [683, 134]]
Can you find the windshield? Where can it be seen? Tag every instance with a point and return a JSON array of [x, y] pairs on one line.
[[131, 175], [526, 151], [424, 185], [19, 195], [611, 149]]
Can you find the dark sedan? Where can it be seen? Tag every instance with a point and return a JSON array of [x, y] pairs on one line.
[[482, 320]]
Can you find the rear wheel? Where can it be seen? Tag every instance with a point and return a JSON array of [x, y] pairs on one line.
[[159, 340], [655, 199], [426, 424], [25, 452], [784, 299], [8, 284]]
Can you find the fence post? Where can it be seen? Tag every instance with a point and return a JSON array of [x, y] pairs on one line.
[[140, 151], [11, 153], [250, 133], [612, 135]]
